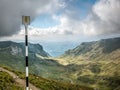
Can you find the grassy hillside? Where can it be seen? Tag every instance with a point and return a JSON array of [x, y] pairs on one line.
[[94, 64], [12, 55], [105, 50], [7, 82], [48, 84]]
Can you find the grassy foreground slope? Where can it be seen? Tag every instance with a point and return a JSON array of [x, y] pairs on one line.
[[7, 82], [46, 84]]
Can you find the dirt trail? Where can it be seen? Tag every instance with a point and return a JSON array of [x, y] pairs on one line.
[[21, 82]]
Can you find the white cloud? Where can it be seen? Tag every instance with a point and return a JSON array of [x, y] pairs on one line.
[[11, 12], [103, 20]]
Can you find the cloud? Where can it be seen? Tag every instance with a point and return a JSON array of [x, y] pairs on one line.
[[104, 18], [11, 12]]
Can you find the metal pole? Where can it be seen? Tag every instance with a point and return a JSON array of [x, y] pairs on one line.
[[26, 22], [26, 54]]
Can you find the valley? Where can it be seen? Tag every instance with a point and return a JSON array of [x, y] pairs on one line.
[[91, 64]]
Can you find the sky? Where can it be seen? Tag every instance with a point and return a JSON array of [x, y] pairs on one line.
[[60, 20]]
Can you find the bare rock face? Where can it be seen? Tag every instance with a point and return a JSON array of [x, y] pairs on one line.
[[16, 50]]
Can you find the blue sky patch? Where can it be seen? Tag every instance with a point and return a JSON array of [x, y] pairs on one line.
[[44, 21]]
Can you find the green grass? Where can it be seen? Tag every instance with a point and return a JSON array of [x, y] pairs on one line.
[[7, 82], [49, 84]]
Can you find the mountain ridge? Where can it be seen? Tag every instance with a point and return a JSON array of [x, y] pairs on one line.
[[95, 64], [12, 55], [19, 48], [94, 49]]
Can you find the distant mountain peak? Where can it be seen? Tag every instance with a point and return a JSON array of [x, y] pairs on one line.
[[19, 48]]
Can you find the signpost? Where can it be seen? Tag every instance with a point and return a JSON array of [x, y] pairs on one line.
[[26, 22]]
